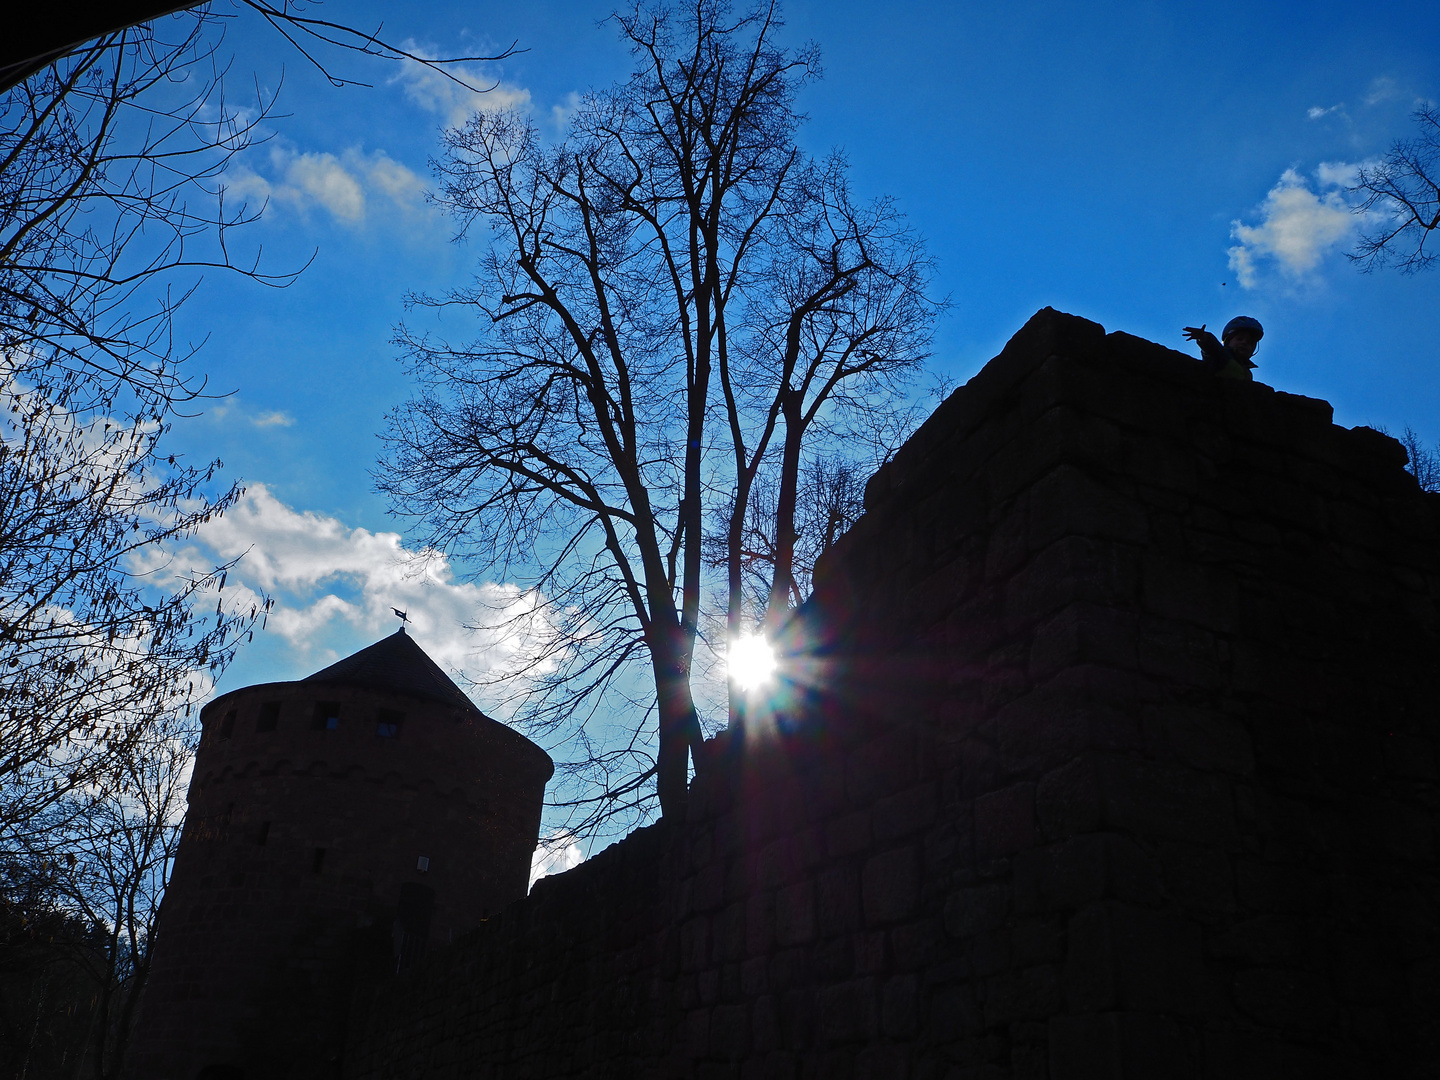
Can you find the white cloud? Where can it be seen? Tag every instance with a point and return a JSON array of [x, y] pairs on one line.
[[329, 580], [1337, 174], [1315, 112], [1383, 88], [560, 114], [273, 419], [456, 96], [344, 186], [1298, 226], [557, 852]]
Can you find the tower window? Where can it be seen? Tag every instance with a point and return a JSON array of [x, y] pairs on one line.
[[387, 723], [269, 716], [227, 725], [263, 833], [318, 861], [326, 716]]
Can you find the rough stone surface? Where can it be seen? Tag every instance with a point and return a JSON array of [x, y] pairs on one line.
[[1111, 752]]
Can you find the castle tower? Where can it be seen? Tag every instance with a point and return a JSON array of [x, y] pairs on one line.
[[337, 826]]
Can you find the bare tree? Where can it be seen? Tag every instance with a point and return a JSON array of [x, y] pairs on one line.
[[1402, 195], [676, 242], [1424, 463], [107, 211], [116, 863], [95, 900]]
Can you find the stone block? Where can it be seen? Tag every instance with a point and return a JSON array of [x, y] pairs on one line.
[[788, 969], [913, 945], [1119, 1046], [884, 1062], [1004, 821], [1285, 998], [833, 958], [795, 913], [838, 900], [1198, 876], [797, 1018], [1073, 568], [1038, 941], [729, 932], [1031, 993], [1069, 502], [890, 885], [1148, 799], [974, 910], [759, 922], [709, 887], [1059, 434], [1405, 831], [1060, 876], [730, 1031], [1264, 886], [848, 1012], [989, 953], [837, 1064], [883, 766], [1160, 463], [1202, 738], [1051, 725], [1068, 800], [1007, 546], [695, 943], [900, 1007], [765, 1024], [954, 1013], [1084, 633], [1180, 653], [695, 1036], [905, 813], [848, 834], [1133, 958], [754, 977]]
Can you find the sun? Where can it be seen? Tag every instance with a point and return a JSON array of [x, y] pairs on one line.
[[751, 662]]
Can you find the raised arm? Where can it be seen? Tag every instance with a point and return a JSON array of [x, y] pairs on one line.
[[1210, 347]]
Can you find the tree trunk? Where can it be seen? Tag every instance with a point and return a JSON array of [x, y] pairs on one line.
[[677, 719], [782, 586]]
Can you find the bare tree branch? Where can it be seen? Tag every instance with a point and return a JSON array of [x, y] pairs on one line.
[[1401, 195]]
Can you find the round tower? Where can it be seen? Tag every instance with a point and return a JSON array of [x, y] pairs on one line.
[[337, 827]]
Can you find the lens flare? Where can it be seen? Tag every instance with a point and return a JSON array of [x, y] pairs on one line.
[[751, 662]]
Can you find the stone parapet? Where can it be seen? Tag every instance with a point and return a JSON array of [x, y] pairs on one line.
[[1109, 750]]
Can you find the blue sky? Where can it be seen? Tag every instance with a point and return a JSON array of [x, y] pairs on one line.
[[1145, 165]]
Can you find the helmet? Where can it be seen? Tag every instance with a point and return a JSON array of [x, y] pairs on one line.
[[1242, 322]]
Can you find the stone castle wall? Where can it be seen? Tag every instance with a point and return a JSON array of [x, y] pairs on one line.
[[1112, 754]]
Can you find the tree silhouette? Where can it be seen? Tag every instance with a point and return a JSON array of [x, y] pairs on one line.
[[675, 303]]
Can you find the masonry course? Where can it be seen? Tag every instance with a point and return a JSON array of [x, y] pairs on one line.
[[1109, 752]]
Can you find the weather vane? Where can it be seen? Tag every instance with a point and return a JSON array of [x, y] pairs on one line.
[[404, 616]]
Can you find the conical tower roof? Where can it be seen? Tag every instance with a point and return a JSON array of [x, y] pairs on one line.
[[396, 663]]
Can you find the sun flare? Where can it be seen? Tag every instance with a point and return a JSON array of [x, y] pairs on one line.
[[751, 662]]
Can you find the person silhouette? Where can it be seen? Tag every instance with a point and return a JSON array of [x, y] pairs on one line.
[[1229, 358]]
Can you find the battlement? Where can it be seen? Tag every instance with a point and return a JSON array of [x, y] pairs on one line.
[[1109, 750]]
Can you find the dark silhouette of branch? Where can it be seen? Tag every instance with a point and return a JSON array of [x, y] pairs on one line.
[[1401, 197]]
